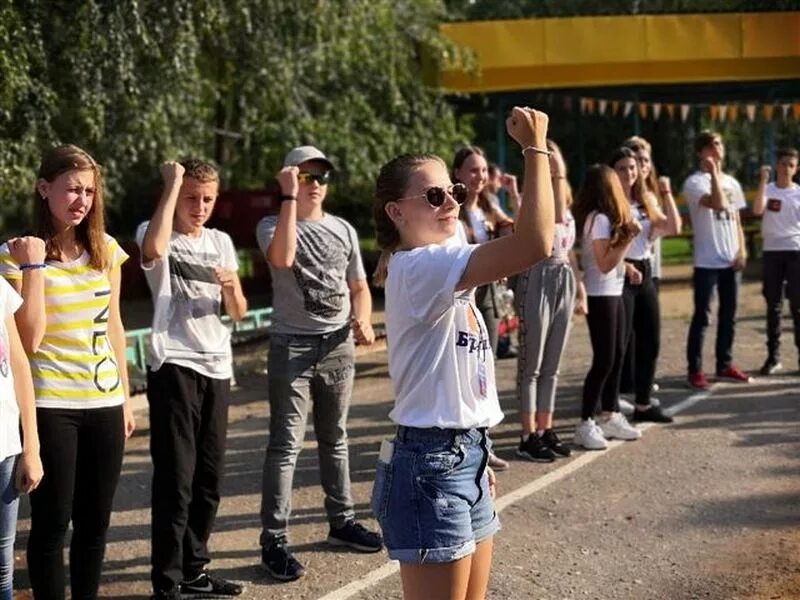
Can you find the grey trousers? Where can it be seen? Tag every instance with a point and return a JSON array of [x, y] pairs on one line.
[[305, 369], [545, 299]]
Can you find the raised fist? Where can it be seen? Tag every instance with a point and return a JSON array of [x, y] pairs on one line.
[[664, 185], [287, 178], [631, 229], [28, 250], [763, 173], [710, 165], [172, 172], [528, 127]]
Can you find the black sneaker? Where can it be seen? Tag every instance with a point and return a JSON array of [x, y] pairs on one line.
[[280, 563], [164, 595], [356, 536], [770, 367], [652, 414], [206, 585], [552, 441], [533, 448]]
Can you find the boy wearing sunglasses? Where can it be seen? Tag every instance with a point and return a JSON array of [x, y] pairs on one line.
[[321, 303]]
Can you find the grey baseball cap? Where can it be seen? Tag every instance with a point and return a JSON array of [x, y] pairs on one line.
[[302, 154]]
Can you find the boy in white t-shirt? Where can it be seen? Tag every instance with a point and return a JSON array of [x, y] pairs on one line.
[[715, 199], [191, 271], [779, 203]]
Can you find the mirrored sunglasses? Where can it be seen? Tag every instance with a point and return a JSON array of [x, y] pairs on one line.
[[437, 195], [320, 178]]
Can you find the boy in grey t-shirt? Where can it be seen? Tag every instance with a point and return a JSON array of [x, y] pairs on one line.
[[320, 299]]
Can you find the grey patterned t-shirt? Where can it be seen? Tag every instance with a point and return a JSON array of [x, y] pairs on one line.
[[313, 297]]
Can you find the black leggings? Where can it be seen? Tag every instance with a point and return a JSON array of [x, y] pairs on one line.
[[643, 331], [81, 453], [606, 320]]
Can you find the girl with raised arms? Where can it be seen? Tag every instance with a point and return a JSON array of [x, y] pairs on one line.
[[433, 492]]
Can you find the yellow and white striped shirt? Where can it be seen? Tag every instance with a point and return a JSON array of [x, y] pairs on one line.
[[75, 366]]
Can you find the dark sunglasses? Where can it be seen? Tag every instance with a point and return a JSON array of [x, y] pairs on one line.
[[320, 178], [437, 195]]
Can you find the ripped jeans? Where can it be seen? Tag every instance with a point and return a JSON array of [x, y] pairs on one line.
[[305, 369]]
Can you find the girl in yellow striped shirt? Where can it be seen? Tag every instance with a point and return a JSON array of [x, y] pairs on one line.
[[69, 277]]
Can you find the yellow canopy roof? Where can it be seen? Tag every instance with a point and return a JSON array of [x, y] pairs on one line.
[[605, 51]]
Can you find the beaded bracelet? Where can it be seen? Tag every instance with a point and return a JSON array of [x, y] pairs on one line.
[[544, 151], [32, 266]]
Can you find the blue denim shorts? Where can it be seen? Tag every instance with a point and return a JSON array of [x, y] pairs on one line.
[[432, 497]]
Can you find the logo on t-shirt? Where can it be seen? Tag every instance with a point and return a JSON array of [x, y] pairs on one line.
[[774, 205], [319, 268], [474, 339], [722, 214]]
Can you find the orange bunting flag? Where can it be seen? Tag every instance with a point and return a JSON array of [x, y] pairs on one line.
[[769, 111], [733, 111], [643, 110], [713, 112], [671, 111], [750, 109], [615, 107], [796, 110], [684, 112], [590, 102]]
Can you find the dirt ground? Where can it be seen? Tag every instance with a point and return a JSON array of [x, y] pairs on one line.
[[707, 508]]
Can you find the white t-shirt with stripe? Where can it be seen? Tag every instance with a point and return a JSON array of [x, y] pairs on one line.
[[188, 305], [75, 366]]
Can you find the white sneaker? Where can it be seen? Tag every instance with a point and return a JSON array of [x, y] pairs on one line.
[[617, 427], [589, 436], [625, 407]]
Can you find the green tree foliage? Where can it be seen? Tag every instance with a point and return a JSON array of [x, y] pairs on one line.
[[240, 81]]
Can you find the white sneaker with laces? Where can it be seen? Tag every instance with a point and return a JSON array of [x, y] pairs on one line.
[[589, 436], [617, 427]]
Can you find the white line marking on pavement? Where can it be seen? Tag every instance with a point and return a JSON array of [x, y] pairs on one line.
[[392, 567]]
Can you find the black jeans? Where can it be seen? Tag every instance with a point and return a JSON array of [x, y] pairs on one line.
[[81, 453], [643, 327], [606, 321], [705, 281], [780, 267], [188, 428]]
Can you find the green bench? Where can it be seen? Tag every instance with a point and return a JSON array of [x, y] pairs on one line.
[[254, 323]]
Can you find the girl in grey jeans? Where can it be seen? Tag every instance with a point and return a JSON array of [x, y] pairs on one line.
[[546, 294]]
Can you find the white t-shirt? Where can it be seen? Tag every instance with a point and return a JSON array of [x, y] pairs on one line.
[[598, 227], [780, 225], [716, 236], [10, 443], [187, 326], [564, 236], [440, 360], [642, 246], [477, 221]]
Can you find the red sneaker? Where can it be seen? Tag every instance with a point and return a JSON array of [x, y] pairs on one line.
[[698, 381], [734, 374]]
